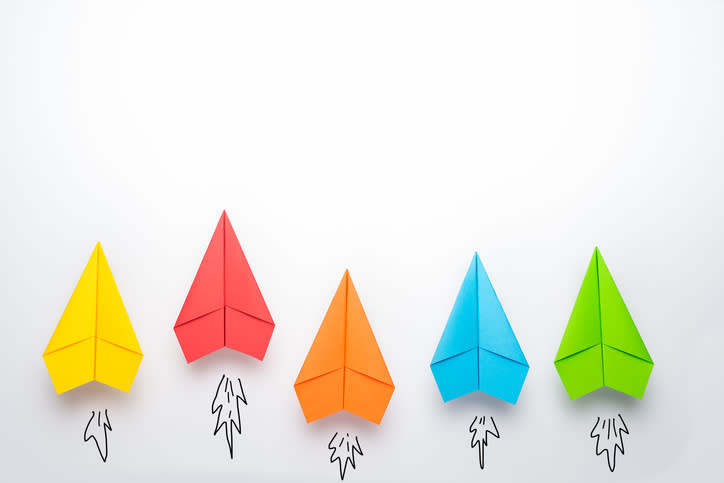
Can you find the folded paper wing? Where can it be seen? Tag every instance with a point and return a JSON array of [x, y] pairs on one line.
[[224, 307], [344, 368], [94, 339], [601, 345], [478, 350]]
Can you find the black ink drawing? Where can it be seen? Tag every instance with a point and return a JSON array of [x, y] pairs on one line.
[[97, 430], [609, 438], [346, 448], [226, 404], [481, 428]]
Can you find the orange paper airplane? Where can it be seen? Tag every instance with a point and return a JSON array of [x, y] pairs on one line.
[[344, 368]]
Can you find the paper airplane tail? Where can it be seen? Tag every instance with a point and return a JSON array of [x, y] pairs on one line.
[[625, 372], [116, 366], [321, 396], [76, 365], [366, 397], [344, 389]]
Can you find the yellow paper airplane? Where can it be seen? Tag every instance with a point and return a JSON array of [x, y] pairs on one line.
[[94, 340]]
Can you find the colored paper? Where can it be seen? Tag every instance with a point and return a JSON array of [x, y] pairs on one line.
[[224, 307], [478, 350], [344, 368], [601, 345], [94, 339]]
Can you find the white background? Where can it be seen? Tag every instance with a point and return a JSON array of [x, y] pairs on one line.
[[393, 138]]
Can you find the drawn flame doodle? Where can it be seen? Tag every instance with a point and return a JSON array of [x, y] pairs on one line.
[[481, 428], [609, 438], [346, 447], [97, 430], [226, 404]]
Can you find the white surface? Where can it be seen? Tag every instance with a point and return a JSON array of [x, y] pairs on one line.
[[391, 138]]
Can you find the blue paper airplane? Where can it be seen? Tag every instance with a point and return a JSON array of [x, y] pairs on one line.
[[478, 350]]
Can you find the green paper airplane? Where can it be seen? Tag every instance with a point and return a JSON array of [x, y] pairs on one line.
[[601, 345]]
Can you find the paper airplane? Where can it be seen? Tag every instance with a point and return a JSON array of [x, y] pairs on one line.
[[478, 350], [94, 340], [601, 345], [224, 307], [344, 368]]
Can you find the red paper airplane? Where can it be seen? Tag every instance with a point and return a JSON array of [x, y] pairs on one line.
[[224, 307]]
